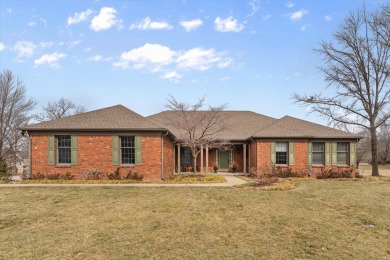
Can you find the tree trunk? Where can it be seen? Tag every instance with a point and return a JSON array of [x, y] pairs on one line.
[[374, 152], [194, 164]]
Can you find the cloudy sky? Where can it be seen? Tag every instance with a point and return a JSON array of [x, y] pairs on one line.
[[252, 55]]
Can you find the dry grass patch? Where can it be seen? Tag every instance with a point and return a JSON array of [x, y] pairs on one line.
[[317, 220], [175, 179]]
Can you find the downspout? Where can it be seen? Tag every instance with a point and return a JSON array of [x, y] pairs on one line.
[[162, 154]]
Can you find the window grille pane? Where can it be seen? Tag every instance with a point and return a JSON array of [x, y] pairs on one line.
[[127, 150], [281, 147], [342, 147], [64, 155], [342, 158], [63, 141], [64, 149], [318, 158], [281, 157], [318, 147], [127, 141]]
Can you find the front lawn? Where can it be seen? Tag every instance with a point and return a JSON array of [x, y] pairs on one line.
[[318, 219], [175, 179]]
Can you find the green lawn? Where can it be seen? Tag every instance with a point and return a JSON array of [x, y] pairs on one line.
[[318, 219]]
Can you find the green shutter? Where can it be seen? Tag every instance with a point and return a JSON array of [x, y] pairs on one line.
[[309, 153], [327, 153], [51, 148], [273, 153], [115, 150], [334, 153], [73, 141], [291, 159], [138, 150], [351, 153]]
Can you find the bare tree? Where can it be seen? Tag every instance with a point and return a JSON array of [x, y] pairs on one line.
[[14, 113], [384, 143], [58, 109], [363, 148], [357, 63], [196, 128]]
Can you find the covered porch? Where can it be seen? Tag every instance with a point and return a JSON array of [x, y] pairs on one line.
[[224, 159]]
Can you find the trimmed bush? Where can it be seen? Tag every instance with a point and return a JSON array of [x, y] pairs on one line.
[[114, 176], [66, 176], [133, 176], [54, 176], [37, 176], [334, 174], [289, 173], [92, 174]]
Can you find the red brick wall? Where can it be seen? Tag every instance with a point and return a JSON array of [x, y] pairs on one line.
[[95, 151], [169, 154], [263, 158], [253, 156], [238, 157]]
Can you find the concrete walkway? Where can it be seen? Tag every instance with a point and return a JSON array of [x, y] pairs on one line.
[[230, 181]]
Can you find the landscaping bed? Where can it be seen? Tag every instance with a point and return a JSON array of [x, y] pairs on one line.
[[175, 179]]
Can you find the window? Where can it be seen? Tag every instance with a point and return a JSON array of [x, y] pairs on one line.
[[318, 153], [342, 154], [186, 157], [63, 149], [281, 153], [127, 150]]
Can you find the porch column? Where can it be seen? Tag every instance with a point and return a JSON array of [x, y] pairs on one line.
[[178, 158], [201, 158], [249, 157], [207, 158], [244, 159]]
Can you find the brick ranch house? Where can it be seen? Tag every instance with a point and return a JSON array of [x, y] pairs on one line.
[[116, 137]]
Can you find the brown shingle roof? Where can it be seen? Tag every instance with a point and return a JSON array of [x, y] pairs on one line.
[[290, 127], [111, 118], [240, 125]]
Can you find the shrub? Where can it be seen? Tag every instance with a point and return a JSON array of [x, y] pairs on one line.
[[5, 174], [92, 174], [134, 176], [54, 176], [37, 176], [289, 173], [114, 176], [333, 174], [66, 176]]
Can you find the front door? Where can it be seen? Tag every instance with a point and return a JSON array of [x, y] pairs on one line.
[[224, 160]]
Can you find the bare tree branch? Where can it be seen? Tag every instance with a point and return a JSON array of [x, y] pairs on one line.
[[14, 113], [196, 128], [357, 64], [58, 109]]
